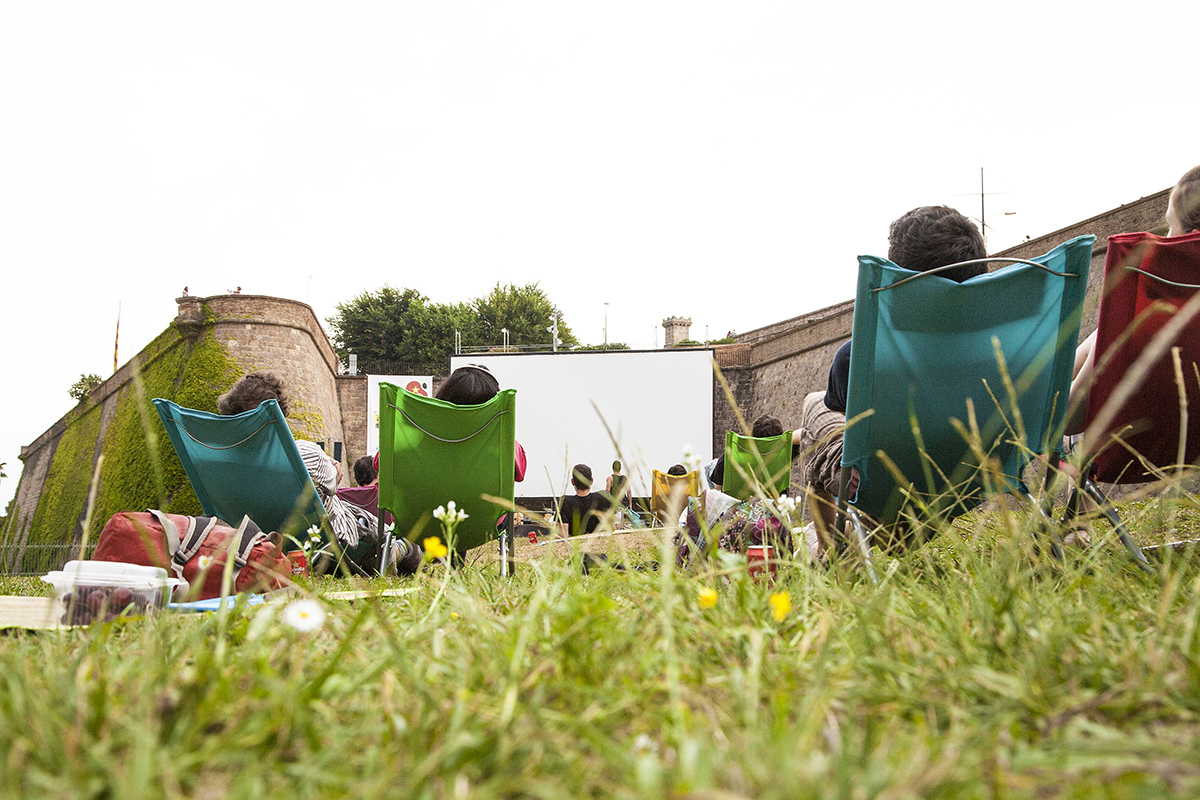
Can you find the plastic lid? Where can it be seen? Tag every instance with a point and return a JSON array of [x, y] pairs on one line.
[[109, 573]]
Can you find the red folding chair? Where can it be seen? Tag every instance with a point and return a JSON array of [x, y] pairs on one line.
[[1137, 429]]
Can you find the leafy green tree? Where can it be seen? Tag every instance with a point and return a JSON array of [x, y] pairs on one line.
[[609, 346], [402, 325], [81, 388], [524, 310], [393, 325]]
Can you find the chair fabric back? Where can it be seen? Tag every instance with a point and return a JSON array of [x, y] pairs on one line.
[[923, 350], [432, 452], [245, 465], [757, 465], [1133, 310], [662, 489]]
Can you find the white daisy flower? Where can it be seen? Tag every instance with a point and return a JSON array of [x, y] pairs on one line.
[[204, 562], [643, 745], [304, 615], [449, 514]]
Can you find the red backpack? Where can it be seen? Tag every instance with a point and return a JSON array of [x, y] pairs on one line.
[[194, 548]]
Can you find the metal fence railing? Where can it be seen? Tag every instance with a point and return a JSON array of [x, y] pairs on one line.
[[402, 368], [38, 559]]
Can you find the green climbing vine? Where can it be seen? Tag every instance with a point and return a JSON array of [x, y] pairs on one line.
[[64, 491], [140, 471]]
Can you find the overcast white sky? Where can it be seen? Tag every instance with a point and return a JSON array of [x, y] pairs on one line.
[[725, 161]]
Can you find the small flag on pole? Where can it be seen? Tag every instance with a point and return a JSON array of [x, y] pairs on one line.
[[117, 338]]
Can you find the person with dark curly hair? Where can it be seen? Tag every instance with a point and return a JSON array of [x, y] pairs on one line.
[[252, 389], [921, 240], [348, 522]]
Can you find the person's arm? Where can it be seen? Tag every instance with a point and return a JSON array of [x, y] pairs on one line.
[[1081, 385], [608, 484], [519, 458]]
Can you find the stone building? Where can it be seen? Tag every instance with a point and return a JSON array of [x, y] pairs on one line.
[[678, 329], [210, 344]]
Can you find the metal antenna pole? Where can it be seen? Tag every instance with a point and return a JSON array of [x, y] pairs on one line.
[[982, 210]]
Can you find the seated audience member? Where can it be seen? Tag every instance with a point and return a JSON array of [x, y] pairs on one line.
[[923, 239], [1183, 216], [364, 471], [347, 522], [677, 470], [473, 385], [366, 494], [764, 427], [580, 512]]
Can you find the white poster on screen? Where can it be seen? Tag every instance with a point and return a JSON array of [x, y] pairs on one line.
[[420, 384], [644, 407]]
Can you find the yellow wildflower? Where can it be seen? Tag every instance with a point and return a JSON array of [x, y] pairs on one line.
[[434, 547], [707, 597], [781, 604]]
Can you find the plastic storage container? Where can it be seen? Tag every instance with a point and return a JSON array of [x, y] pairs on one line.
[[87, 591]]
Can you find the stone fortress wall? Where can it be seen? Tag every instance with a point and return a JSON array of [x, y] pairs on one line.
[[767, 370], [253, 332]]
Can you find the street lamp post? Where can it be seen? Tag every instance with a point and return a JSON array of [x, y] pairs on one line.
[[606, 326], [505, 332]]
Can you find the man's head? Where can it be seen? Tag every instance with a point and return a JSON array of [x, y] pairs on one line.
[[364, 471], [247, 393], [678, 469], [934, 236], [766, 426], [581, 477], [616, 467]]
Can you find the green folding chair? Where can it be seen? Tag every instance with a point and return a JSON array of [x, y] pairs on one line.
[[245, 465], [755, 466], [432, 452], [926, 379]]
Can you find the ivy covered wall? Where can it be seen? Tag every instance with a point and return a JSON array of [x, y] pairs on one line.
[[140, 469], [212, 342]]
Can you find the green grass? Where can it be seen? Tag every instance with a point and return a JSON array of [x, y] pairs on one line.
[[973, 669]]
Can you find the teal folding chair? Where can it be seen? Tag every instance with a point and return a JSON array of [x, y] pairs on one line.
[[926, 378], [757, 465], [245, 465], [432, 452]]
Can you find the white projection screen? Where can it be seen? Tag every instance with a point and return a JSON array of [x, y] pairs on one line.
[[656, 403]]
